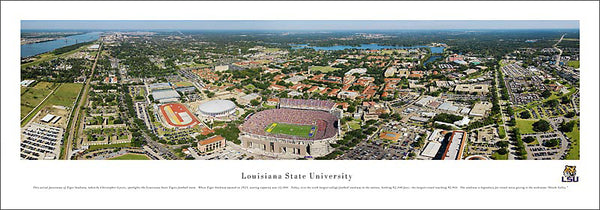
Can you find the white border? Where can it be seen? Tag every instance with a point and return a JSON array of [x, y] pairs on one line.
[[18, 176]]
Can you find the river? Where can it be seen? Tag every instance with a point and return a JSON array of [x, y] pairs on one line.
[[42, 47]]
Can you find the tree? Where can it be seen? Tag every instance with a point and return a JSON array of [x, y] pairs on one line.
[[254, 102], [502, 151], [546, 93], [552, 103], [502, 144], [565, 100], [567, 126], [351, 109], [541, 126], [525, 115], [570, 115], [448, 118], [551, 143], [529, 139]]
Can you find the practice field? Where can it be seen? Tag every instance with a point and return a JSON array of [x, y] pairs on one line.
[[183, 84], [130, 156], [323, 69], [178, 115], [291, 129]]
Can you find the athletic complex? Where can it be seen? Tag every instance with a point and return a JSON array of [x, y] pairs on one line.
[[303, 128], [177, 115]]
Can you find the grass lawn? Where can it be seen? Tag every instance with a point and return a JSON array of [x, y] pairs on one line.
[[501, 132], [194, 65], [65, 95], [574, 64], [184, 84], [268, 106], [271, 50], [573, 153], [97, 147], [291, 129], [32, 96], [129, 156], [249, 87], [354, 124], [497, 156], [323, 69], [526, 126]]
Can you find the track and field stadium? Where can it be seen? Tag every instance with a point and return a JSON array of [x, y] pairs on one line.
[[299, 132], [177, 115]]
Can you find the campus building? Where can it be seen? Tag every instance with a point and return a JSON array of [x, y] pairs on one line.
[[211, 144]]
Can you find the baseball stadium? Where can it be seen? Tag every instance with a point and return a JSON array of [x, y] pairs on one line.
[[300, 132], [177, 115]]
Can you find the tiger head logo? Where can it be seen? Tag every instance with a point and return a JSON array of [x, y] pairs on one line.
[[569, 171]]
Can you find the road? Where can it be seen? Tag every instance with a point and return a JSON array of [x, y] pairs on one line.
[[559, 50], [73, 131], [511, 151]]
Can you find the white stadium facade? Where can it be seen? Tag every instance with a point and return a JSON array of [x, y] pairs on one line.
[[217, 108]]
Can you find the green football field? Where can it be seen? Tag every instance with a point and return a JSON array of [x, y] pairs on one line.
[[291, 129]]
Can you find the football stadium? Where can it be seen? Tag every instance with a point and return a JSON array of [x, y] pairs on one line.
[[305, 130], [177, 115]]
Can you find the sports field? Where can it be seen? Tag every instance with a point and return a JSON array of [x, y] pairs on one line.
[[323, 69], [291, 129], [178, 115]]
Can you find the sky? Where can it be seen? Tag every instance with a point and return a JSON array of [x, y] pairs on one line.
[[295, 24]]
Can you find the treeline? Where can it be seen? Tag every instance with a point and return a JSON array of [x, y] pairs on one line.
[[66, 49], [351, 139]]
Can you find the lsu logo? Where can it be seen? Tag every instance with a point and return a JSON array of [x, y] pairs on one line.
[[570, 174]]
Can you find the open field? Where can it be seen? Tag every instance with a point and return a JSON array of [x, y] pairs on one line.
[[65, 95], [291, 129], [573, 153], [271, 50], [130, 156], [526, 126], [32, 96], [574, 64], [323, 69]]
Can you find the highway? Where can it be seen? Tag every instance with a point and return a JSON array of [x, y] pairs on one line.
[[68, 144]]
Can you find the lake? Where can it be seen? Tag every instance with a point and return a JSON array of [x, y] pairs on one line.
[[432, 58], [42, 47], [368, 47]]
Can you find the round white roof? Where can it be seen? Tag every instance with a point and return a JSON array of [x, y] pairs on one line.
[[216, 106]]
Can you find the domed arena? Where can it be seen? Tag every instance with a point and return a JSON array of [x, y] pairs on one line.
[[217, 108]]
